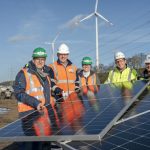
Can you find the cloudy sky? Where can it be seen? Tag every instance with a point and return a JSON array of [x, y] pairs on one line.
[[27, 24]]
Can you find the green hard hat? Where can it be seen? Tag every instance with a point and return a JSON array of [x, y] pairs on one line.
[[39, 52], [86, 61]]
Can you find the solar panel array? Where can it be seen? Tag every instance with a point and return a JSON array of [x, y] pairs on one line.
[[132, 132], [86, 116]]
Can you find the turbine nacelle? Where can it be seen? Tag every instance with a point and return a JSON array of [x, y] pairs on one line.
[[97, 15]]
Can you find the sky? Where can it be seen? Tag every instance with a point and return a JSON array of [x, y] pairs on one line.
[[28, 24]]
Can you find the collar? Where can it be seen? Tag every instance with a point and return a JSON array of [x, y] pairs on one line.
[[30, 65], [69, 62], [81, 73], [86, 74], [123, 69]]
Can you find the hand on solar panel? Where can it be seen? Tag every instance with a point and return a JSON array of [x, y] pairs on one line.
[[77, 90], [40, 107], [58, 91]]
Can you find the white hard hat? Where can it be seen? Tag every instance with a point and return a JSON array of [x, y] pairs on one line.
[[63, 49], [147, 60], [119, 55]]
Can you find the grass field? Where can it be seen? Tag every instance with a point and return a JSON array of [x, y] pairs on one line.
[[7, 118]]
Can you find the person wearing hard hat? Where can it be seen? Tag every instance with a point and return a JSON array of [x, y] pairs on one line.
[[146, 71], [32, 90], [87, 76], [34, 77], [121, 72], [65, 72]]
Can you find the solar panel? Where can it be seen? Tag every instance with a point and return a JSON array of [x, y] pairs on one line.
[[131, 133], [86, 116]]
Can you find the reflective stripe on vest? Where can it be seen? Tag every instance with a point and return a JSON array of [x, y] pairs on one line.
[[91, 80], [129, 75], [65, 76], [65, 81], [33, 88]]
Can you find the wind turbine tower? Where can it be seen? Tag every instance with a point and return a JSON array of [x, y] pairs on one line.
[[97, 15], [53, 45]]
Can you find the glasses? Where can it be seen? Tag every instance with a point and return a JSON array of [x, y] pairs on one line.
[[40, 59]]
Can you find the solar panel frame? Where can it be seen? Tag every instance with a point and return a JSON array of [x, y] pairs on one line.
[[118, 143], [74, 137], [109, 126]]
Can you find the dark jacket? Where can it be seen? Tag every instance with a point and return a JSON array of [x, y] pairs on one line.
[[20, 85], [144, 75]]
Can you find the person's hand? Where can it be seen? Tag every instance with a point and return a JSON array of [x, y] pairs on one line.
[[40, 107], [77, 90], [58, 91]]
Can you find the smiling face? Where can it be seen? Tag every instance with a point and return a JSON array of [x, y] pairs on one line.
[[86, 68], [39, 62], [121, 63], [63, 57]]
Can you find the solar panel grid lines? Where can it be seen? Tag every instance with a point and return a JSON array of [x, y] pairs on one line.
[[97, 116], [126, 119], [108, 127], [143, 104], [132, 134], [83, 117], [115, 141]]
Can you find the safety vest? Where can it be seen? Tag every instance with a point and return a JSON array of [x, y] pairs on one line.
[[65, 76], [88, 83], [127, 74], [33, 88], [93, 88], [90, 80]]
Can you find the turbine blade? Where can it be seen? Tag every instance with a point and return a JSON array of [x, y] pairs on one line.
[[57, 35], [100, 16], [96, 4], [87, 17]]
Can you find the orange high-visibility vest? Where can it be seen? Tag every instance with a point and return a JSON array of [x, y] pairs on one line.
[[65, 76], [33, 88], [90, 82], [93, 88]]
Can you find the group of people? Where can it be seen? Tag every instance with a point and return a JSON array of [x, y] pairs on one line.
[[122, 72], [37, 84]]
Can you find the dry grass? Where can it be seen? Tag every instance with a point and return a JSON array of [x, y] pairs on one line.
[[7, 118]]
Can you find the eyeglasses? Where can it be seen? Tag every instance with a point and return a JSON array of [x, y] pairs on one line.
[[40, 59]]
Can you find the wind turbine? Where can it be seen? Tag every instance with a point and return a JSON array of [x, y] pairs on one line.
[[97, 15], [53, 45]]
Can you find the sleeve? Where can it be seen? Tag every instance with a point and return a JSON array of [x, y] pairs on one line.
[[77, 80], [97, 79], [108, 78], [134, 75], [52, 79], [19, 90]]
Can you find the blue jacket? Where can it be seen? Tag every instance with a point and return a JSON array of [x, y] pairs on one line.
[[20, 85]]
